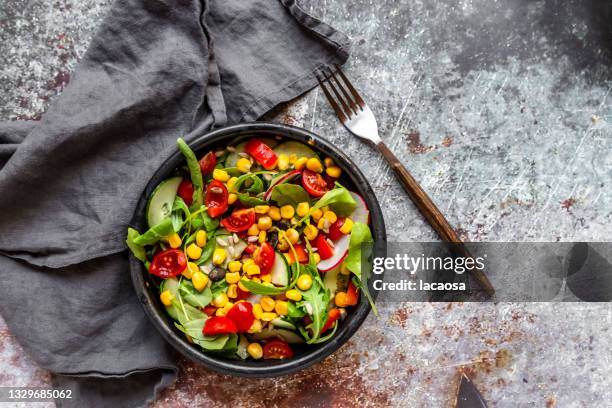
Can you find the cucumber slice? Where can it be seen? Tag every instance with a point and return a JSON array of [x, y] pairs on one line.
[[161, 201], [297, 148], [233, 157], [289, 336], [283, 324], [280, 270]]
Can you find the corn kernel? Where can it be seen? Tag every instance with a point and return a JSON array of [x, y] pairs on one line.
[[329, 162], [262, 209], [282, 244], [281, 308], [283, 162], [292, 235], [242, 287], [287, 211], [311, 232], [220, 312], [292, 158], [340, 299], [344, 270], [302, 209], [274, 213], [228, 306], [220, 175], [256, 279], [255, 350], [231, 185], [221, 300], [333, 171], [267, 303], [316, 257], [266, 278], [347, 227], [232, 291], [232, 277], [304, 282], [166, 297], [174, 240], [330, 216], [293, 295], [190, 270], [316, 214], [252, 269], [243, 165], [231, 198], [268, 316], [300, 163], [314, 164], [264, 223], [200, 238], [199, 280], [194, 251], [234, 266], [255, 327], [253, 230], [262, 237], [322, 224], [219, 256], [289, 258], [257, 311]]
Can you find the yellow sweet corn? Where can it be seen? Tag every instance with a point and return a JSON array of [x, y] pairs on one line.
[[314, 164], [166, 297], [253, 230], [287, 211], [266, 278], [252, 269], [292, 158], [300, 163], [243, 165], [220, 301], [294, 295], [347, 227], [194, 251], [220, 175], [330, 216], [267, 303], [292, 235], [311, 232], [220, 312], [255, 350], [282, 245], [242, 287], [200, 238], [255, 327], [232, 277], [219, 256], [234, 266], [302, 209], [190, 270], [232, 291], [304, 282], [316, 214], [174, 240], [274, 213], [264, 223], [340, 299], [333, 171], [199, 280], [283, 162], [262, 209], [281, 308], [268, 316], [231, 184], [257, 311], [329, 162], [262, 237]]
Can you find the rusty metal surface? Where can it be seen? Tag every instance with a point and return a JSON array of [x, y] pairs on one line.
[[500, 109]]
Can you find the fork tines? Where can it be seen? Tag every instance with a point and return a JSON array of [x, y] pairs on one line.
[[349, 105]]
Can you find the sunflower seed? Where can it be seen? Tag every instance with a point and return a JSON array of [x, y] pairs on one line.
[[216, 190], [219, 153], [331, 244], [308, 308], [243, 154], [231, 149], [231, 251], [267, 177], [252, 239], [236, 239], [205, 269], [222, 242]]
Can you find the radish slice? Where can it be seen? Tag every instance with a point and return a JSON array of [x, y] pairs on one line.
[[282, 179], [359, 214]]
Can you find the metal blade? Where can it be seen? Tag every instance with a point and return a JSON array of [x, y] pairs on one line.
[[468, 395]]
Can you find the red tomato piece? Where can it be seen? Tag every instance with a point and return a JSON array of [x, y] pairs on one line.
[[331, 182], [261, 153], [352, 295], [219, 325], [241, 294], [242, 314], [210, 310], [169, 263], [277, 349], [302, 255], [332, 316], [265, 258], [314, 184], [185, 191], [240, 220], [216, 198], [334, 230], [325, 250], [250, 249], [208, 163]]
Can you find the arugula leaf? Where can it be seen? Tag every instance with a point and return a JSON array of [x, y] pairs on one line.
[[317, 297], [218, 287], [207, 252], [361, 239], [180, 214], [210, 224], [193, 328], [256, 186], [260, 288], [155, 233], [194, 172], [212, 343], [291, 194], [192, 296], [137, 250], [184, 312], [339, 199], [249, 201]]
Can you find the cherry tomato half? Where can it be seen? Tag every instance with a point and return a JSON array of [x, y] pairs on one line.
[[261, 153], [334, 230], [216, 198], [169, 263], [210, 310], [185, 191], [332, 316], [208, 163], [302, 255], [240, 220], [325, 250], [219, 325], [352, 295], [277, 349], [265, 258], [250, 249], [242, 314], [314, 184]]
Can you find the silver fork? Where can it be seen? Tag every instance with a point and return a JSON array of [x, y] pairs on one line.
[[358, 118]]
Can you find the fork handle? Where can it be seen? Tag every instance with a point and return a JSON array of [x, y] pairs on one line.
[[431, 212]]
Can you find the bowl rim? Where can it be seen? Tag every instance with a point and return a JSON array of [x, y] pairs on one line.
[[152, 306]]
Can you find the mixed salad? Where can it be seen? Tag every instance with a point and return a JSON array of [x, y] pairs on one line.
[[256, 248]]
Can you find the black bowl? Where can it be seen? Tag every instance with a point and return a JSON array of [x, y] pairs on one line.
[[306, 355]]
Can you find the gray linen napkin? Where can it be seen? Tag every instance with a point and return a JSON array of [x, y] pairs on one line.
[[156, 70]]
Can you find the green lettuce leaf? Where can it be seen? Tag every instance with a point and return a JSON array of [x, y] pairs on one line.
[[137, 250], [291, 194], [155, 233], [361, 238]]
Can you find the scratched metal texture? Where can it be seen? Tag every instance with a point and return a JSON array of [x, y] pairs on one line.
[[500, 108]]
